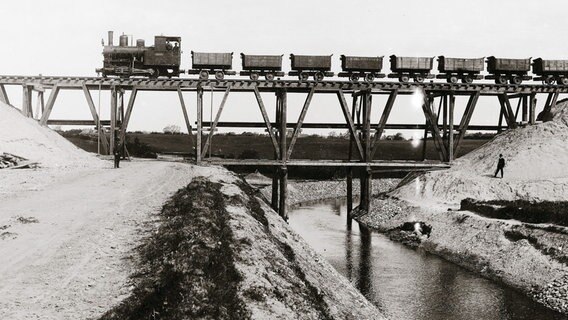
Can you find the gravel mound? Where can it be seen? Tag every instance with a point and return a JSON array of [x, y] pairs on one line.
[[536, 161], [24, 137]]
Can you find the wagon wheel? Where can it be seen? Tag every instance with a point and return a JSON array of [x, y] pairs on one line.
[[369, 77], [516, 80], [452, 79], [500, 79], [269, 76], [254, 76], [468, 78], [155, 73], [303, 76], [404, 78], [548, 80], [203, 75], [219, 75], [419, 78], [354, 77], [318, 76], [564, 81]]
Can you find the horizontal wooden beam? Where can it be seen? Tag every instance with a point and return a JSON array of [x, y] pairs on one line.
[[330, 163], [392, 126], [58, 122]]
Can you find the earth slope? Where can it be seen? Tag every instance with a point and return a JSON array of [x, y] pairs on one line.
[[536, 167], [24, 137]]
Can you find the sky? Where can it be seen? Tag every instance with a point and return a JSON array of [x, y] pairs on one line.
[[63, 37]]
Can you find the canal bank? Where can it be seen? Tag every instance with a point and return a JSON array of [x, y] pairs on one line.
[[491, 248], [515, 253], [405, 282]]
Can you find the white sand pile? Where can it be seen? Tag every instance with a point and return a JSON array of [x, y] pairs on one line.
[[536, 167], [24, 137]]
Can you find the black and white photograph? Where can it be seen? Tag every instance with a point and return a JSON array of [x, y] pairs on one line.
[[315, 159]]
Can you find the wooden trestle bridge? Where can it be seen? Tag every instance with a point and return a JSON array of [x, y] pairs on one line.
[[365, 133]]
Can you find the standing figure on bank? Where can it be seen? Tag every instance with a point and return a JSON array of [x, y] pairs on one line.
[[500, 166]]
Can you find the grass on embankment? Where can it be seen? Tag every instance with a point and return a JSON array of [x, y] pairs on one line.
[[186, 267]]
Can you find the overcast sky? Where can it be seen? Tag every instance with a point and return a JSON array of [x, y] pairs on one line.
[[64, 38]]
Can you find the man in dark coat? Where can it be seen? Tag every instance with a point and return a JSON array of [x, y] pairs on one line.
[[500, 166]]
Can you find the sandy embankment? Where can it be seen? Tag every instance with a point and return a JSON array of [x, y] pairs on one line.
[[279, 275]]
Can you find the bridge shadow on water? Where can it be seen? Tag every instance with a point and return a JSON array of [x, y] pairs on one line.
[[406, 283]]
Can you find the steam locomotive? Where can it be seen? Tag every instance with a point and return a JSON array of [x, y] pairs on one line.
[[164, 59]]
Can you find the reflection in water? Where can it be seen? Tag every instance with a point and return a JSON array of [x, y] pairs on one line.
[[402, 282]]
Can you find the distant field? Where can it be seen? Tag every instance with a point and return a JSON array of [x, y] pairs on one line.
[[311, 147]]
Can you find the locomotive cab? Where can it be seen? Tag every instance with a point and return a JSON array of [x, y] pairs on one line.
[[165, 56]]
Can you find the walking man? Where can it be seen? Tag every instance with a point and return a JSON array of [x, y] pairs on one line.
[[500, 166]]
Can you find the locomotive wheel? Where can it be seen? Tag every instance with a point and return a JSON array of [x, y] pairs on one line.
[[369, 77], [318, 76], [516, 80], [354, 77], [156, 74], [203, 75], [303, 76], [269, 76], [419, 78], [453, 79], [404, 78], [253, 76], [564, 81], [219, 75], [467, 79], [500, 79], [548, 80]]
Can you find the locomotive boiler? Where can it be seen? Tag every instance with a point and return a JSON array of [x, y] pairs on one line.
[[124, 60]]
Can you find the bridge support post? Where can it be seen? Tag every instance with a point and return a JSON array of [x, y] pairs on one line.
[[366, 175], [349, 197], [283, 193], [27, 101], [350, 169], [281, 110], [451, 155], [199, 124], [532, 109], [113, 112]]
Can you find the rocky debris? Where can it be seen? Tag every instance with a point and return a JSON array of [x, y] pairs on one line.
[[26, 220], [257, 179], [306, 191], [380, 219], [554, 294], [410, 233]]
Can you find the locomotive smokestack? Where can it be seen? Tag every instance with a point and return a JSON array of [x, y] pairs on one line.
[[110, 38]]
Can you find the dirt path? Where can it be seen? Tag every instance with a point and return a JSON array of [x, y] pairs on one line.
[[69, 264]]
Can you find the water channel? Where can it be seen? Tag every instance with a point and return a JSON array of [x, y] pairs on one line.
[[402, 282]]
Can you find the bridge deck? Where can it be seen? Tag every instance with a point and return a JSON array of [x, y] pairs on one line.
[[263, 85]]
